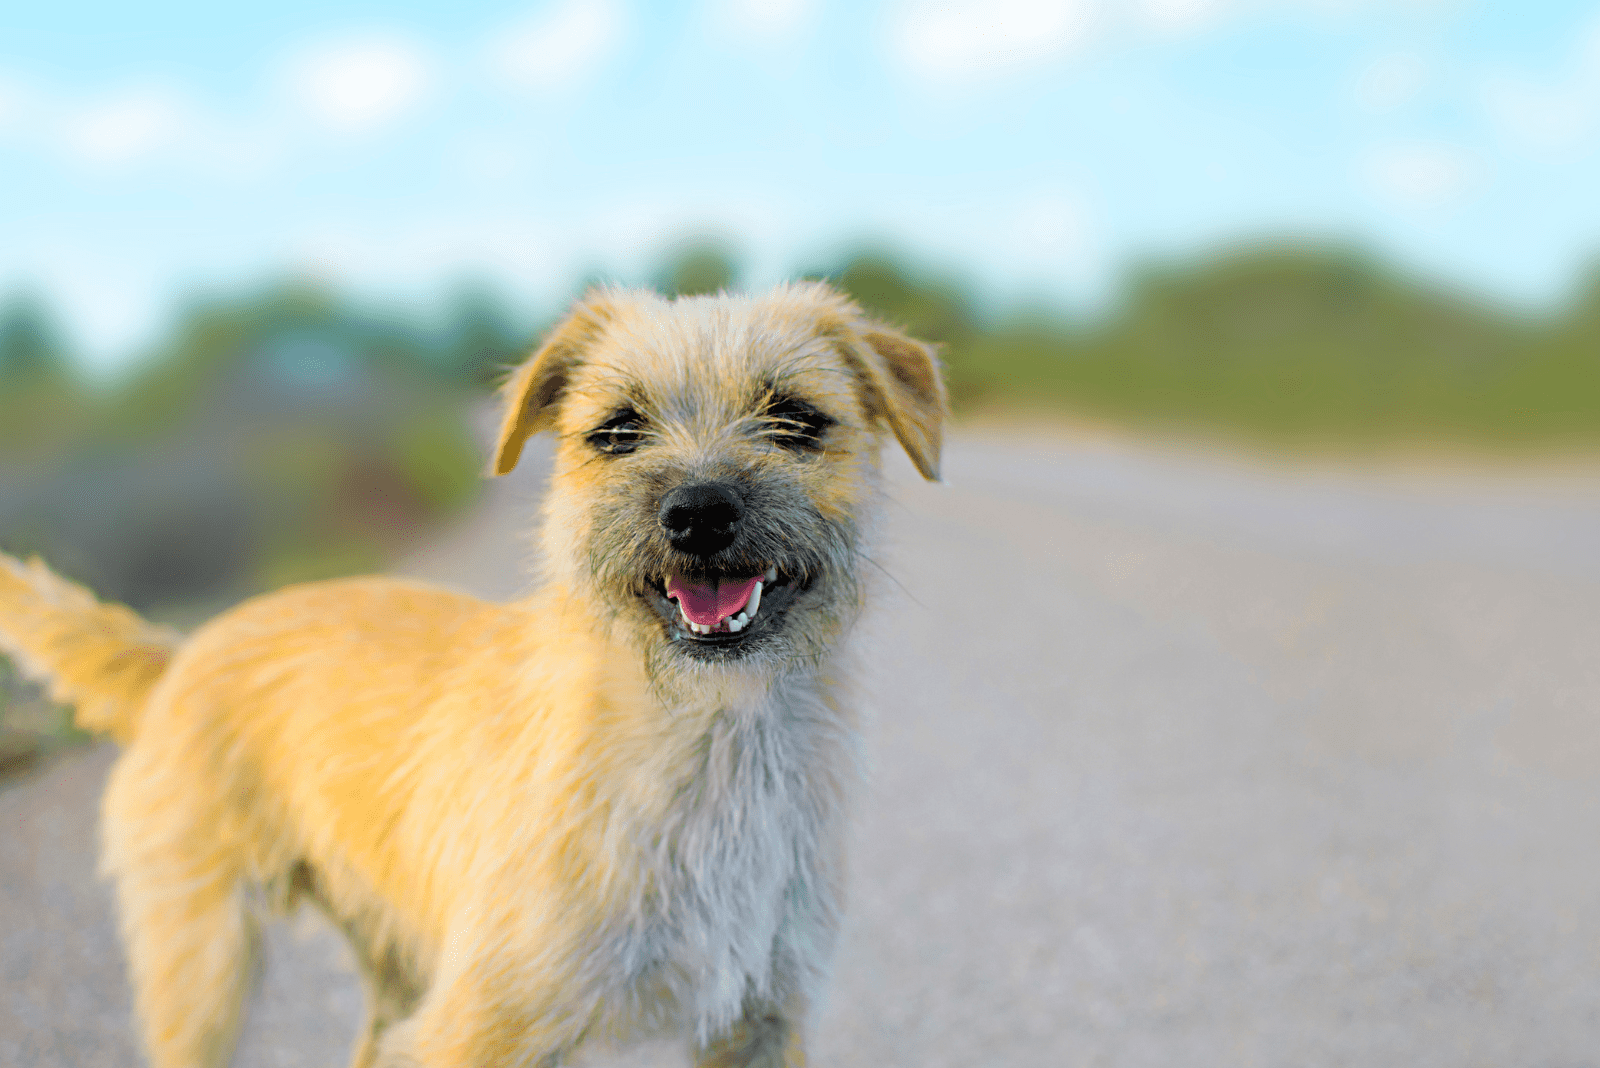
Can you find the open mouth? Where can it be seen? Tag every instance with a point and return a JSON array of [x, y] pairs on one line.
[[716, 608]]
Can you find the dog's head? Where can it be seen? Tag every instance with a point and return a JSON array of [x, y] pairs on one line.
[[717, 463]]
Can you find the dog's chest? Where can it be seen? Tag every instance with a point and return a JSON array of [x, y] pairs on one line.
[[737, 891]]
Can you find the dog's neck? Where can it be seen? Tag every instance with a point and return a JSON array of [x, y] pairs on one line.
[[734, 696]]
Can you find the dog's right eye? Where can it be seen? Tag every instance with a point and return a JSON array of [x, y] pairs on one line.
[[620, 434], [796, 425]]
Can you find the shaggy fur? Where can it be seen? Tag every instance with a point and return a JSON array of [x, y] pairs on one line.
[[542, 824]]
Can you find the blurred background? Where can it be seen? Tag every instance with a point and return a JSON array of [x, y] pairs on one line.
[[257, 264], [261, 265]]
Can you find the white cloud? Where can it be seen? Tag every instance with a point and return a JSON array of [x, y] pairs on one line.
[[494, 162], [1051, 225], [953, 42], [1420, 175], [556, 49], [1550, 113], [942, 41], [129, 127], [423, 253], [1541, 116], [1181, 16], [359, 85], [765, 20], [17, 103], [1391, 82], [1187, 17]]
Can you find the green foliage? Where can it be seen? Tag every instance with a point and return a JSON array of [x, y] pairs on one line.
[[437, 461], [30, 724], [291, 338], [482, 341], [30, 344], [1283, 344], [937, 311], [932, 310], [42, 405], [317, 554], [702, 267], [283, 434]]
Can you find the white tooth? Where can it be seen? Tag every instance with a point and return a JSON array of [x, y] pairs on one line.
[[771, 576], [743, 618], [754, 605], [735, 625], [685, 614]]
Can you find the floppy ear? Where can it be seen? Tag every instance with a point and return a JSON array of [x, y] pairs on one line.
[[904, 380], [533, 388]]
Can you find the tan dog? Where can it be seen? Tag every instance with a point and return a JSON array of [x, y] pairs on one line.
[[609, 812]]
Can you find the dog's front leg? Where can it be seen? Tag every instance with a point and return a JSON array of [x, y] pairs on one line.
[[465, 1025], [767, 1036]]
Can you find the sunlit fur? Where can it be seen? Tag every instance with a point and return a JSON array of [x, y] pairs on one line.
[[540, 824]]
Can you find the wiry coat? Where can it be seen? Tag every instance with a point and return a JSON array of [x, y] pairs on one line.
[[546, 823]]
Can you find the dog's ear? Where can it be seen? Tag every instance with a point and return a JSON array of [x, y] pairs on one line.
[[905, 386], [533, 388]]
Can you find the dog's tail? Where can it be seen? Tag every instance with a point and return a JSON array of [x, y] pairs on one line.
[[101, 658]]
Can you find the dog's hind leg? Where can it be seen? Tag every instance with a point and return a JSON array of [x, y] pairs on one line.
[[392, 996], [192, 952], [191, 937], [389, 981]]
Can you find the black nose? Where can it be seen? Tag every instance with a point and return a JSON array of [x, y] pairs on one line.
[[702, 519]]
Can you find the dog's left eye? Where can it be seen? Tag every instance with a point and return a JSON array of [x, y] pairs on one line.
[[794, 424], [620, 434]]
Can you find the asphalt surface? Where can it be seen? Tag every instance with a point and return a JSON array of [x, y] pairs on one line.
[[1178, 760]]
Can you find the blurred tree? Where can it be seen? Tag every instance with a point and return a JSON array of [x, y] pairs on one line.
[[482, 342], [282, 435], [1554, 386], [1294, 341], [31, 347], [704, 266], [936, 311], [292, 345], [42, 403]]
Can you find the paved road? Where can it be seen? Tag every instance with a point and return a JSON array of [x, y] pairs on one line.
[[1179, 761]]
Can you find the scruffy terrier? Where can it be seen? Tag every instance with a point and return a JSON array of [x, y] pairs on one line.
[[609, 812]]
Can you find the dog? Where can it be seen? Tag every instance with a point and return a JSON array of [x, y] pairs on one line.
[[610, 812]]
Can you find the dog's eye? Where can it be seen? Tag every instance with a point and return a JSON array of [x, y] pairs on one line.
[[794, 424], [620, 434]]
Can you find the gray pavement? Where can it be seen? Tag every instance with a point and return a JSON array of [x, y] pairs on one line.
[[1178, 760]]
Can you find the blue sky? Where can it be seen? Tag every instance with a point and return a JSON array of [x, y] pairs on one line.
[[148, 151]]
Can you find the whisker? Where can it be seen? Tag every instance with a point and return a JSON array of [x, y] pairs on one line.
[[890, 576]]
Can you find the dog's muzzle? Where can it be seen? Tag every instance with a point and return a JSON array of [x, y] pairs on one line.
[[711, 598]]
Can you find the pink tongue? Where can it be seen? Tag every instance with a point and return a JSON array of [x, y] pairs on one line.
[[710, 603]]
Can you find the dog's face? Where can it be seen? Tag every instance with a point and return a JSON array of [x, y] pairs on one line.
[[717, 465]]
